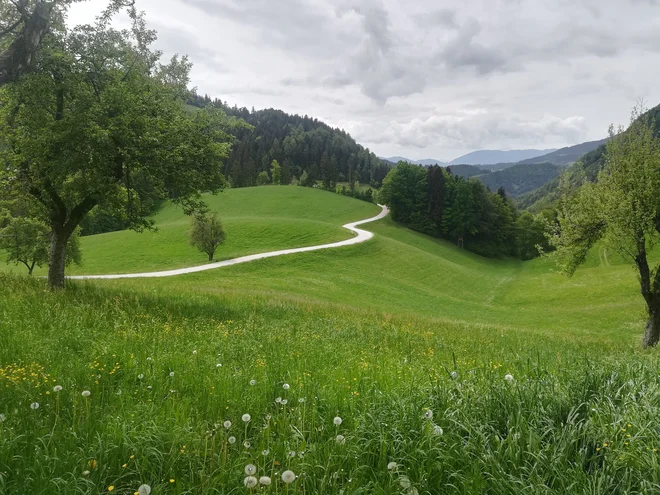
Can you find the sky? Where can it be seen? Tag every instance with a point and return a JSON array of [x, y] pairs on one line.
[[422, 78]]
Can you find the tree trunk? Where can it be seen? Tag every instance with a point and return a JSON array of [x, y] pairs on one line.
[[211, 256], [58, 244], [652, 331]]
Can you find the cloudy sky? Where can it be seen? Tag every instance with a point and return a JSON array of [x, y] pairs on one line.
[[423, 78]]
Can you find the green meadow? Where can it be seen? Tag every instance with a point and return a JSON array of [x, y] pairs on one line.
[[400, 365]]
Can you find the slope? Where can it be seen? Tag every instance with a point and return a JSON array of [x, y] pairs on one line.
[[490, 157], [566, 156]]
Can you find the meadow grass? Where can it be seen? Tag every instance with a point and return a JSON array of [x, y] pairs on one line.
[[405, 338]]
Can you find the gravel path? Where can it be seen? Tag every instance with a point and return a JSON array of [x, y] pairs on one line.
[[362, 236]]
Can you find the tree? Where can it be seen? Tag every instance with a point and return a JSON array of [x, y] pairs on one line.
[[25, 240], [207, 233], [276, 173], [622, 211], [100, 123], [437, 193], [25, 24], [262, 178]]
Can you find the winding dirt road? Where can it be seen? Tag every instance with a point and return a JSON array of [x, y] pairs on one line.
[[362, 236]]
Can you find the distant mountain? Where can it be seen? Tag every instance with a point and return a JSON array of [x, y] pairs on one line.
[[491, 157], [466, 171], [521, 178], [566, 156], [426, 162]]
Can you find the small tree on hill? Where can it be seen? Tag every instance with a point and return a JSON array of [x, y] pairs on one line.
[[276, 173], [26, 241], [207, 233], [262, 178], [622, 210]]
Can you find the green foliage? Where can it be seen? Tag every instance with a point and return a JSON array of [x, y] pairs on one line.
[[207, 233], [262, 178], [26, 241], [436, 202], [103, 124], [532, 235], [622, 209], [520, 179], [276, 173], [300, 144]]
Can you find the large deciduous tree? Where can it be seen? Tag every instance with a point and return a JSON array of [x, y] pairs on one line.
[[100, 122], [207, 233], [622, 210]]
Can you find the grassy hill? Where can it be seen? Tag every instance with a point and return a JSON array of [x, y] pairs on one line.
[[256, 220], [405, 338]]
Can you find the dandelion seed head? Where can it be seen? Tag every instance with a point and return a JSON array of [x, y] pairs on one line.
[[227, 424], [265, 481], [57, 388], [340, 439], [2, 418], [194, 352], [288, 476], [86, 393], [437, 430], [292, 453], [171, 374], [404, 481], [508, 377], [278, 400], [140, 376], [144, 490], [301, 400], [246, 418], [454, 374], [337, 421], [86, 473], [391, 466], [265, 452], [286, 386], [219, 365], [247, 444], [34, 406], [253, 382], [232, 440], [428, 414], [149, 387], [250, 481], [149, 359], [250, 469], [284, 402]]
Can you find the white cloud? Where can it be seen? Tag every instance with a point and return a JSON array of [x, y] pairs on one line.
[[411, 78]]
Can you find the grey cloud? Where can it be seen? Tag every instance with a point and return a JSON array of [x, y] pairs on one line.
[[442, 17]]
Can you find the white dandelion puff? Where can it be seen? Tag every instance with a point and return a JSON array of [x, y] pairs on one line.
[[437, 430], [250, 481], [149, 359], [149, 387], [265, 481], [337, 421], [286, 386], [171, 374], [232, 440], [34, 406], [340, 439], [265, 452], [2, 418], [144, 490], [454, 374], [246, 418], [85, 473], [140, 377], [284, 402], [57, 388], [194, 352], [391, 466], [301, 400], [227, 424], [247, 444], [250, 469], [86, 393], [288, 476], [508, 377], [253, 382], [219, 365], [404, 481], [278, 400], [292, 453], [428, 414]]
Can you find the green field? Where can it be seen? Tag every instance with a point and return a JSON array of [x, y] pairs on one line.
[[378, 334]]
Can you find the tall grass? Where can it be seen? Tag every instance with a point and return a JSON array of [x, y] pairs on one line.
[[165, 371]]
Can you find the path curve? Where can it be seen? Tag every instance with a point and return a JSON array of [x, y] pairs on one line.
[[362, 236]]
